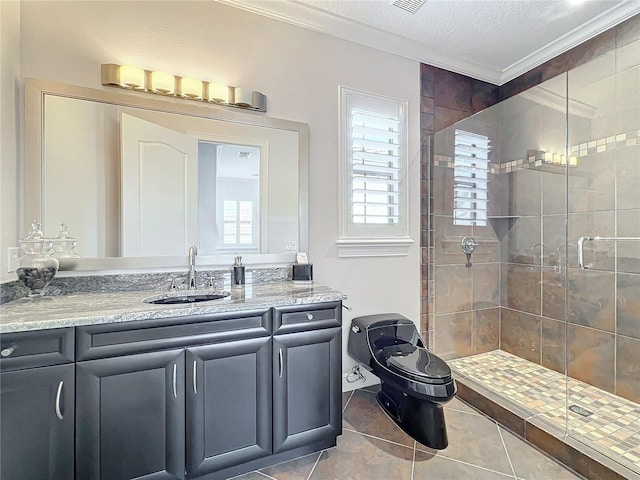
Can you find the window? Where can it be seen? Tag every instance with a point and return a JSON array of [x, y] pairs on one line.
[[373, 156], [375, 186], [238, 223], [471, 166]]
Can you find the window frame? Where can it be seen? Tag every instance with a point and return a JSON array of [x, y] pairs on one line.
[[369, 239]]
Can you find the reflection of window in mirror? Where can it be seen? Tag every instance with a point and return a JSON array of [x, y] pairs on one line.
[[471, 167], [229, 198]]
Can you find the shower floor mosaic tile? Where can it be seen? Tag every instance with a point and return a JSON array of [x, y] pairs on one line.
[[612, 424]]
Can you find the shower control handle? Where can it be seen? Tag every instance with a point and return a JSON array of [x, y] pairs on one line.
[[468, 245]]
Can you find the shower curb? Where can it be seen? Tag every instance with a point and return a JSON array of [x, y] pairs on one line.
[[576, 456]]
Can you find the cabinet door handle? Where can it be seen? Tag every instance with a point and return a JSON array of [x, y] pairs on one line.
[[281, 364], [58, 395], [175, 390], [309, 316], [195, 373]]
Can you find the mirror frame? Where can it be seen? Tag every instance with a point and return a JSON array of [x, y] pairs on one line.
[[33, 179]]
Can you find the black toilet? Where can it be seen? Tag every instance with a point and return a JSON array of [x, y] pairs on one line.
[[415, 382]]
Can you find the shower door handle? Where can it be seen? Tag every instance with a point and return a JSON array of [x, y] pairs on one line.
[[581, 241]]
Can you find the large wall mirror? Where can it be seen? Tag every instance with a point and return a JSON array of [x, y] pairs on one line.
[[139, 178]]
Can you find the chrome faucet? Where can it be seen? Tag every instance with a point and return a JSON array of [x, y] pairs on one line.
[[193, 251]]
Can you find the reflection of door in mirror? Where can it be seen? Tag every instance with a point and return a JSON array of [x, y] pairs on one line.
[[159, 189], [178, 191], [228, 199]]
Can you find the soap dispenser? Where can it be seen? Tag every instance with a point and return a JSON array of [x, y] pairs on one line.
[[238, 271]]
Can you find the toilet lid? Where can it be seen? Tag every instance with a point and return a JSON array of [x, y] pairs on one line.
[[417, 361]]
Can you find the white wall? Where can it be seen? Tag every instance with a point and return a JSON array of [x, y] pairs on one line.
[[299, 70], [10, 129]]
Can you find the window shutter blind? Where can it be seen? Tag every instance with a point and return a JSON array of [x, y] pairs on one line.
[[471, 166], [375, 168]]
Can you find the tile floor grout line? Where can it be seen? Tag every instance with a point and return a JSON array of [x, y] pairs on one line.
[[347, 402], [315, 464], [265, 475], [423, 451], [504, 445], [373, 436], [467, 463], [464, 411], [413, 460], [279, 463]]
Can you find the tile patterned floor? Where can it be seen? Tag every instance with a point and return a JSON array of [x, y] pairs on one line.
[[372, 447], [613, 427]]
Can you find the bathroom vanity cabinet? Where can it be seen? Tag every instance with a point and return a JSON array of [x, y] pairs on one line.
[[206, 396], [37, 405], [307, 371]]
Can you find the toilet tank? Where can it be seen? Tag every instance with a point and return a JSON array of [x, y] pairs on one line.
[[358, 344]]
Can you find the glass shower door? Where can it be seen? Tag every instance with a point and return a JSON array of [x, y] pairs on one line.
[[603, 276]]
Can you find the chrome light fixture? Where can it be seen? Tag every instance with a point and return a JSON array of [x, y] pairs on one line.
[[162, 83]]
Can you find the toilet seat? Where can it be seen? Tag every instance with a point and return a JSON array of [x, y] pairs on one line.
[[417, 363]]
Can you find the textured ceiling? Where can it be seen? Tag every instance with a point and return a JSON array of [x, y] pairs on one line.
[[493, 40]]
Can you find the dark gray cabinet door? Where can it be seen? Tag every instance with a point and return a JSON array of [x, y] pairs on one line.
[[228, 404], [36, 421], [130, 417], [306, 387]]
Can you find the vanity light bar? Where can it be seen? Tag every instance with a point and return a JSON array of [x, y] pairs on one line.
[[135, 78]]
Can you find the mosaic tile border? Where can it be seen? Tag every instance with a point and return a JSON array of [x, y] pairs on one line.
[[536, 158]]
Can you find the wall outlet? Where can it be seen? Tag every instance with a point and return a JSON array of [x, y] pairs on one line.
[[291, 246], [13, 253]]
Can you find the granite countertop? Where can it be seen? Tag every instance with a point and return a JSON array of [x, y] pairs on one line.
[[96, 308]]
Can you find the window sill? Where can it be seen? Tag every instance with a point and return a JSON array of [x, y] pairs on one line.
[[374, 247]]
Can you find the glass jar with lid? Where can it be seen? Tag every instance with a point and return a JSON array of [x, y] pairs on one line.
[[64, 244], [36, 268]]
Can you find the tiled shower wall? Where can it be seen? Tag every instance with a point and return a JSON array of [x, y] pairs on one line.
[[446, 98], [513, 277]]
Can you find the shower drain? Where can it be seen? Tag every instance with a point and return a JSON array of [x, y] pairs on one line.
[[580, 411]]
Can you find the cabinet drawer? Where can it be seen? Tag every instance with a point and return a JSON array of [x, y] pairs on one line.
[[308, 317], [109, 340], [36, 348]]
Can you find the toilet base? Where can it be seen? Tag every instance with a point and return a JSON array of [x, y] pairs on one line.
[[421, 419]]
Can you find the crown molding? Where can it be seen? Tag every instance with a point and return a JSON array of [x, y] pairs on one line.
[[612, 17], [547, 98], [311, 18]]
